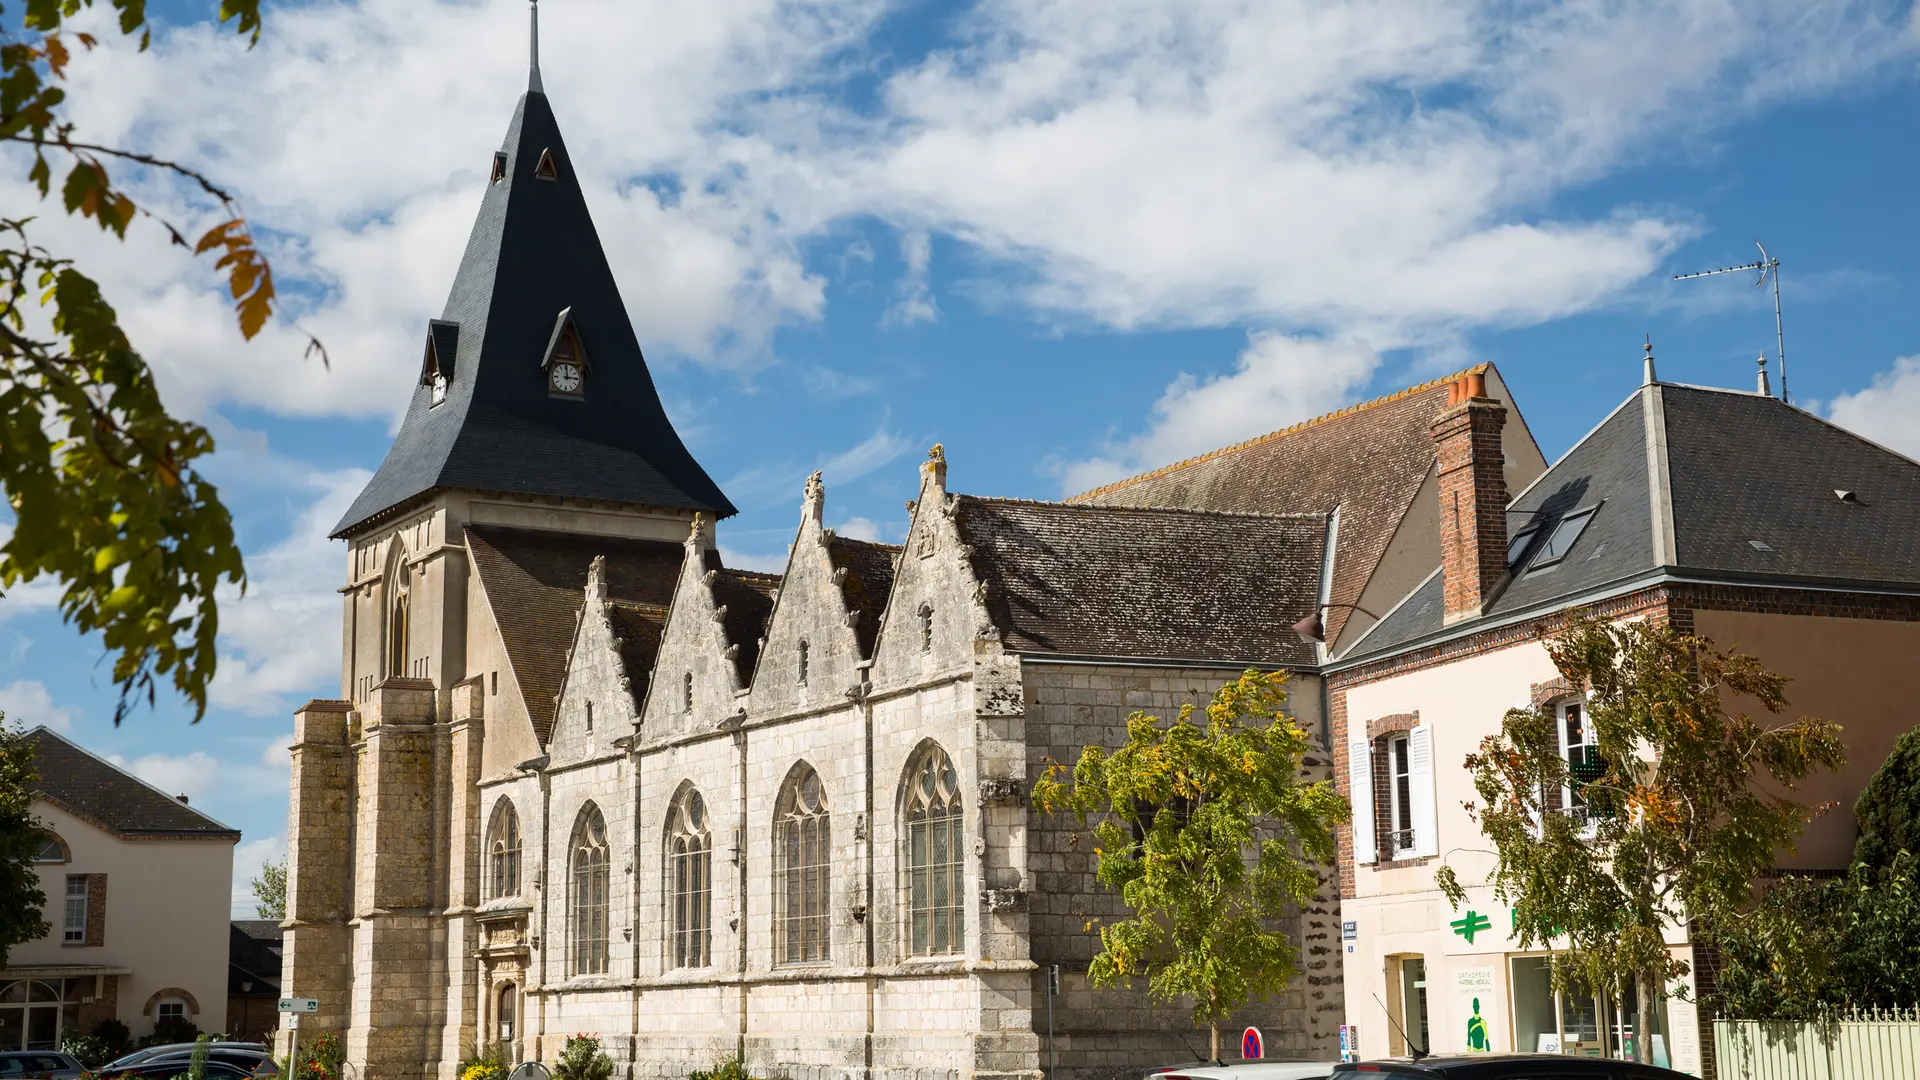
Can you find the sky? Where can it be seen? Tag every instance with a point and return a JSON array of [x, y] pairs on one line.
[[1068, 239]]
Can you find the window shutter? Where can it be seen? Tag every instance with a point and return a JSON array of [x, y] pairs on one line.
[[96, 909], [1420, 781], [1366, 843]]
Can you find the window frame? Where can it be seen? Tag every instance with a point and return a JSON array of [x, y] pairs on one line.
[[1401, 839], [689, 882], [590, 882], [1572, 802], [802, 871], [933, 857], [74, 932], [1579, 520], [504, 844]]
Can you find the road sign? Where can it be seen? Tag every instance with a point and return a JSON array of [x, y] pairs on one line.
[[299, 1005], [1252, 1046]]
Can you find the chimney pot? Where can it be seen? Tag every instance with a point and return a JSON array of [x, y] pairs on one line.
[[183, 799]]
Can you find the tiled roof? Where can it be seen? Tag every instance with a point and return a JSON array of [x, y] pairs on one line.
[[748, 600], [868, 582], [1739, 468], [533, 253], [639, 628], [1369, 460], [96, 790], [1088, 580], [535, 583]]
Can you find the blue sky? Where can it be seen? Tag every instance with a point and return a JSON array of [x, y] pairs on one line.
[[1069, 240]]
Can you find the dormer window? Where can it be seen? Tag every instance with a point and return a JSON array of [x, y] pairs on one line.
[[499, 166], [566, 359], [436, 367], [546, 169]]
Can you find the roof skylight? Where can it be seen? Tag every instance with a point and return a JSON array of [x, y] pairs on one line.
[[1561, 540]]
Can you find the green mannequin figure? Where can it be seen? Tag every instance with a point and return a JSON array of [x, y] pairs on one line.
[[1476, 1029]]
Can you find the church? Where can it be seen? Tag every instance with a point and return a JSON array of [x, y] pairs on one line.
[[584, 777]]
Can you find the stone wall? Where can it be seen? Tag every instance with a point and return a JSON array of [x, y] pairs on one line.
[[1102, 1033]]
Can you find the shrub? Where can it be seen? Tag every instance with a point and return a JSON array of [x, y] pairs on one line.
[[1888, 809], [581, 1059], [117, 1036], [90, 1050], [730, 1069], [171, 1031], [486, 1063], [320, 1058]]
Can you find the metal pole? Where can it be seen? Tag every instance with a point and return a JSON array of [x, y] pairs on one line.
[[1780, 331], [293, 1046], [1053, 987]]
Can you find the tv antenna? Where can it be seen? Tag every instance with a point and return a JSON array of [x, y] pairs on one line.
[[1768, 266]]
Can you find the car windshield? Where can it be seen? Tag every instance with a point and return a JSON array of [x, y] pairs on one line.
[[139, 1056]]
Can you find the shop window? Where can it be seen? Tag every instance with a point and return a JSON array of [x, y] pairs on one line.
[[1578, 1023], [1408, 977]]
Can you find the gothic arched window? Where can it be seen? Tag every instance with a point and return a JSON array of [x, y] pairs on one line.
[[397, 621], [589, 862], [933, 837], [800, 877], [503, 851], [689, 882]]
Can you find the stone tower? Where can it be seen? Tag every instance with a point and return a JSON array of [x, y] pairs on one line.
[[533, 409]]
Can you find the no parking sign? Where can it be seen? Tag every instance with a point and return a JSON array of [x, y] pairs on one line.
[[1252, 1046]]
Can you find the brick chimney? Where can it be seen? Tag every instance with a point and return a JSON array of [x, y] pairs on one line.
[[1473, 498]]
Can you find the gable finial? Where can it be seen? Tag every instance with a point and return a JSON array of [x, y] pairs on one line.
[[697, 535], [533, 50], [934, 469], [813, 504], [1648, 375]]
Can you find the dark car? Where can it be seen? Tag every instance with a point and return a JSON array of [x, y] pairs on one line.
[[38, 1065], [224, 1061], [1503, 1067]]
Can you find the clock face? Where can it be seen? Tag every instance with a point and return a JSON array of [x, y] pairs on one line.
[[566, 378]]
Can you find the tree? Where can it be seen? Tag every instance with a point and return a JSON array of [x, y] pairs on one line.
[[1210, 835], [1672, 824], [1888, 810], [100, 477], [21, 837], [270, 891]]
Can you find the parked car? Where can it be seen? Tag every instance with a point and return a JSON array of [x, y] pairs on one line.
[[1246, 1070], [39, 1065], [165, 1062], [1503, 1067]]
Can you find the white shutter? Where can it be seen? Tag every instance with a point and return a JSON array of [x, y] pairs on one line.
[[1420, 783], [1366, 845]]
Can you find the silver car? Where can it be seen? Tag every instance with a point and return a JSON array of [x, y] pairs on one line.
[[38, 1065]]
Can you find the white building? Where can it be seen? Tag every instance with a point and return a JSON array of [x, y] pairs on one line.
[[138, 888]]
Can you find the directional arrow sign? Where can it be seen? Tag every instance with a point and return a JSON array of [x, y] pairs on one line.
[[299, 1005]]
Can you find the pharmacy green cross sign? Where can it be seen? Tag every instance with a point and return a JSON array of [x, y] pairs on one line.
[[1473, 923]]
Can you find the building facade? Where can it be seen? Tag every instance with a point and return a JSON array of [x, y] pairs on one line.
[[583, 777], [137, 885], [1727, 514]]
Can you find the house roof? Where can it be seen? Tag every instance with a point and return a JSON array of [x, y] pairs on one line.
[[746, 600], [866, 585], [638, 629], [1369, 460], [97, 791], [1135, 582], [253, 959], [1697, 482], [535, 583], [533, 254]]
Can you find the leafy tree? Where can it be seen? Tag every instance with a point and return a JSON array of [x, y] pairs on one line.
[[101, 479], [581, 1059], [1888, 809], [1674, 826], [21, 837], [270, 891], [1209, 834]]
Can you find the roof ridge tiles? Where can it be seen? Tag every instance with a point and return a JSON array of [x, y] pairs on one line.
[[1183, 511], [1477, 369]]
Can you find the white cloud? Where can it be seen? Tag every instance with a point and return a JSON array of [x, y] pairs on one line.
[[282, 639], [192, 774], [860, 528], [26, 703], [248, 857], [915, 303], [1884, 411], [1278, 380], [1338, 170]]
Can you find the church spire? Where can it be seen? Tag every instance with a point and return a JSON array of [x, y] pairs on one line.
[[533, 50]]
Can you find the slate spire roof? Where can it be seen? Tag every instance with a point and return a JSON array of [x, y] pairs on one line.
[[534, 265]]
